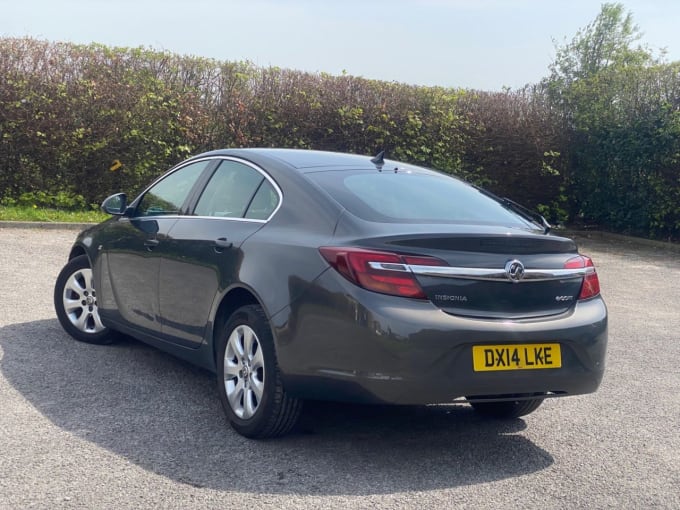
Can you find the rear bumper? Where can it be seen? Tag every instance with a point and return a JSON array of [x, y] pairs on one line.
[[340, 342]]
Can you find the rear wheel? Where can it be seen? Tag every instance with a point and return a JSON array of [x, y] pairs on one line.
[[508, 409], [249, 381], [75, 301]]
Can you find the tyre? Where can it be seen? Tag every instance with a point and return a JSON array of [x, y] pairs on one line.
[[508, 409], [248, 377], [75, 301]]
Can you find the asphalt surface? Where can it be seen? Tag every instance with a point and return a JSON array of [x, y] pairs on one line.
[[126, 426]]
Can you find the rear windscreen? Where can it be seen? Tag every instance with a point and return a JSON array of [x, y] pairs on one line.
[[412, 196]]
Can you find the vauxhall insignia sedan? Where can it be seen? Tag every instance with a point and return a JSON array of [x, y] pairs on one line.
[[300, 274]]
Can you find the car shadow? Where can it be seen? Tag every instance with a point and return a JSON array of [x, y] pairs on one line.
[[164, 415]]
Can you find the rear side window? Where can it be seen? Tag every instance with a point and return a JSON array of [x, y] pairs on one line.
[[229, 191], [264, 202], [412, 197]]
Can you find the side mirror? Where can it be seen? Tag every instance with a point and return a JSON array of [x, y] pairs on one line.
[[115, 204]]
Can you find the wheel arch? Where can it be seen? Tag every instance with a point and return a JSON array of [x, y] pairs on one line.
[[77, 251], [231, 301]]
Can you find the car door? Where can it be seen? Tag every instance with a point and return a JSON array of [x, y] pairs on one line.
[[202, 255], [132, 253]]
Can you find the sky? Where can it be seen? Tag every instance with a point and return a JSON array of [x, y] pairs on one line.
[[473, 44]]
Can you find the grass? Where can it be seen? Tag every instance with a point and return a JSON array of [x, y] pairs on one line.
[[28, 213]]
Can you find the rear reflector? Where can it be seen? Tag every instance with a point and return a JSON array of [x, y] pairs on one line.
[[355, 265], [591, 283]]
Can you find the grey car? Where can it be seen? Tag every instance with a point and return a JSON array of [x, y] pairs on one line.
[[299, 274]]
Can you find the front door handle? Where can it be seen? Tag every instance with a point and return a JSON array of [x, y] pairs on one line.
[[151, 244], [222, 243]]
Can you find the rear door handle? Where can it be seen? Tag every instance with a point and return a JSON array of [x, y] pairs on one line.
[[222, 243]]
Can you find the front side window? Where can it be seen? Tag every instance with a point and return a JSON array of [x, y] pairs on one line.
[[229, 191], [167, 196]]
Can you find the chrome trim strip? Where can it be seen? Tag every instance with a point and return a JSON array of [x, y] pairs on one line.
[[212, 158], [187, 217], [225, 218], [390, 266], [480, 273]]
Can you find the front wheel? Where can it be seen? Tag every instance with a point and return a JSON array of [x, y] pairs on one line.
[[75, 301], [508, 409], [249, 381]]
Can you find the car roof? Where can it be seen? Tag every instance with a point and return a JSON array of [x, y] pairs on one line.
[[304, 160]]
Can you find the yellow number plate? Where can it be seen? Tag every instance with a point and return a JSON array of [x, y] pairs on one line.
[[516, 357]]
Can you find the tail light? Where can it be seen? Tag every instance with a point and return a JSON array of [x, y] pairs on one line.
[[379, 271], [591, 283]]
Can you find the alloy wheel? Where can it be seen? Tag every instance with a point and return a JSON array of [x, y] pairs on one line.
[[244, 372], [80, 302]]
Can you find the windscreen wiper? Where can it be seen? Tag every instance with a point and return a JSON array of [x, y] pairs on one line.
[[529, 214], [524, 212]]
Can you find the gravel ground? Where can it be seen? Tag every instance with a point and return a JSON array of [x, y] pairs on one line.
[[126, 426]]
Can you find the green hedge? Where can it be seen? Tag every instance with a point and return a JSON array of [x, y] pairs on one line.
[[624, 168], [69, 112]]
